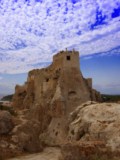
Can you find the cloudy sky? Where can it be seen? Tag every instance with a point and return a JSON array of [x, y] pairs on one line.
[[32, 31]]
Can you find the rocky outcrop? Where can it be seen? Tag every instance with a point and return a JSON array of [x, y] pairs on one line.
[[48, 153], [6, 122], [27, 137], [83, 151], [25, 134], [94, 121], [18, 97]]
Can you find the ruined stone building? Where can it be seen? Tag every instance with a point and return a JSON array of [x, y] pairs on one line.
[[59, 89], [62, 81]]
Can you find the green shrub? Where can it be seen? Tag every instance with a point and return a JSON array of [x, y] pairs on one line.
[[110, 98], [7, 98]]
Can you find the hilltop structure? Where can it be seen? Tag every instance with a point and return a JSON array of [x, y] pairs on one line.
[[52, 93], [61, 82]]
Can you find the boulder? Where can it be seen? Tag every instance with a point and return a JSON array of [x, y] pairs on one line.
[[83, 151], [26, 136], [6, 123], [96, 121]]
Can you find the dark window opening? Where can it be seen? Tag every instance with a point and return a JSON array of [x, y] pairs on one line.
[[56, 133], [47, 79], [72, 93], [23, 94], [68, 58], [72, 132]]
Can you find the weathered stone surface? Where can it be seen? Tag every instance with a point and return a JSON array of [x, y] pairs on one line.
[[96, 122], [18, 98], [49, 153], [4, 144], [82, 151], [6, 123], [26, 136]]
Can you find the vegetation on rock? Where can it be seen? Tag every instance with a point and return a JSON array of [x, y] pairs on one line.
[[7, 98], [110, 98]]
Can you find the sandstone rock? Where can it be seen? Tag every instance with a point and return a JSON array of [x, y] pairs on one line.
[[41, 115], [26, 136], [12, 147], [6, 123], [82, 151], [19, 96], [96, 122], [3, 144], [14, 139], [48, 153]]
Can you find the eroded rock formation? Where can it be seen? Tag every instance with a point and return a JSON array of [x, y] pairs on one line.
[[6, 122], [96, 121]]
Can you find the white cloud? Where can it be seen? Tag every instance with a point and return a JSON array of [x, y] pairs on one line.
[[31, 34]]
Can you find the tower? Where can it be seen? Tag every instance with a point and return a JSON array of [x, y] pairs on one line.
[[67, 60]]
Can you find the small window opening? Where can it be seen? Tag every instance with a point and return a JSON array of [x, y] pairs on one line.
[[72, 93], [72, 132], [47, 79], [68, 58], [56, 133]]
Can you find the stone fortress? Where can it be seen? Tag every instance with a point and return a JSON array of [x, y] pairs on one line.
[[52, 93], [61, 82]]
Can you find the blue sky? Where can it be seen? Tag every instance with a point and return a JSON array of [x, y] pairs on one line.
[[105, 71], [32, 31]]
